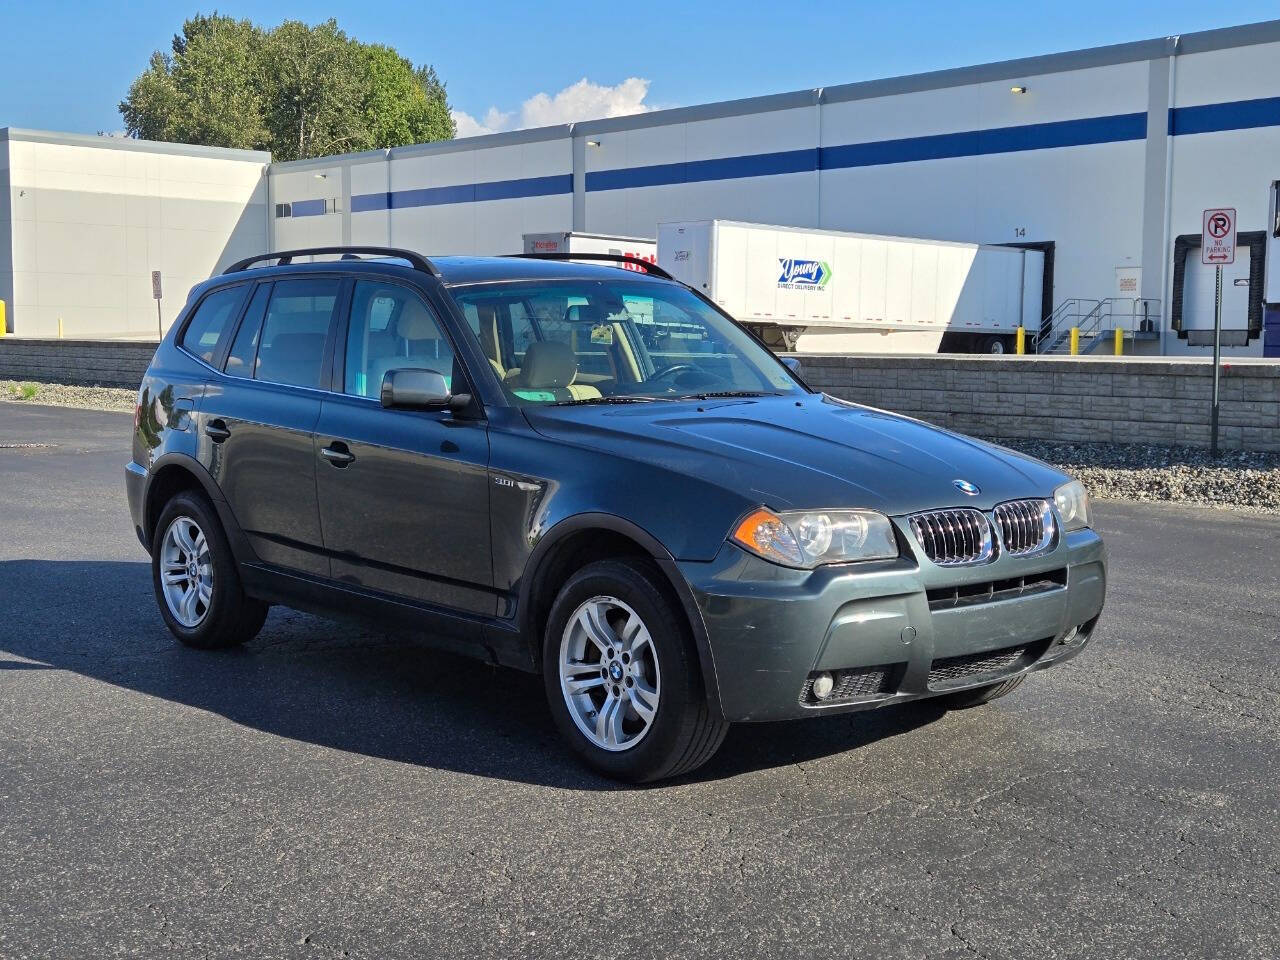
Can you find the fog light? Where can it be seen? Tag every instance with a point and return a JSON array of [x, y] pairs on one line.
[[1070, 636], [823, 684]]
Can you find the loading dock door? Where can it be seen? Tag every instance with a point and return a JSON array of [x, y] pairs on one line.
[[1197, 300]]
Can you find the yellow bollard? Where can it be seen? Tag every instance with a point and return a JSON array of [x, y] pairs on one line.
[[1119, 342], [1022, 339], [1075, 341], [4, 323]]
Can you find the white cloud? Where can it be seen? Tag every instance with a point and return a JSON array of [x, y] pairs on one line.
[[494, 120], [583, 100]]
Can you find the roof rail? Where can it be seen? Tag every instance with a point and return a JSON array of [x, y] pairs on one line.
[[645, 265], [285, 257]]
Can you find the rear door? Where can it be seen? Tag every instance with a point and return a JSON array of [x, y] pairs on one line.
[[404, 494], [257, 421]]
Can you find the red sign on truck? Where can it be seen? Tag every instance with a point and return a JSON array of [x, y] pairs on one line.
[[1218, 238]]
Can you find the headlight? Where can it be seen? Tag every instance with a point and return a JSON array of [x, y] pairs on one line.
[[808, 539], [1072, 501]]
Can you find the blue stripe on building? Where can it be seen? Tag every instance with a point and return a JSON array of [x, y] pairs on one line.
[[978, 143], [1216, 117], [700, 171], [1118, 128], [307, 208], [363, 202], [972, 143], [557, 185]]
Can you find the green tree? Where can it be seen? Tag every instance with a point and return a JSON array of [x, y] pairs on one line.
[[296, 90], [207, 90], [403, 105]]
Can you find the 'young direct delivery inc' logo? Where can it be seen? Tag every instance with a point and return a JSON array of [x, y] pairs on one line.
[[803, 274]]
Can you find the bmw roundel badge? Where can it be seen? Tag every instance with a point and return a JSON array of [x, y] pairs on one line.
[[964, 486]]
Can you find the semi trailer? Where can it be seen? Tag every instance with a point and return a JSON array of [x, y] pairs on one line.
[[813, 291], [569, 242]]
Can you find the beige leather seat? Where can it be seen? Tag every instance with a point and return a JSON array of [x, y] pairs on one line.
[[550, 367], [417, 344]]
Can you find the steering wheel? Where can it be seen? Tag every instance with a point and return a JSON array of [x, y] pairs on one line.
[[672, 370]]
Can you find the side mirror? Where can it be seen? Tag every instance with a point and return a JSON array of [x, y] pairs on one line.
[[418, 389], [792, 364]]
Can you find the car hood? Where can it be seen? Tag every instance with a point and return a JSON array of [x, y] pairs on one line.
[[807, 452]]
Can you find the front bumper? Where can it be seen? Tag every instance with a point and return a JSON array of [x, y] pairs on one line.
[[888, 627]]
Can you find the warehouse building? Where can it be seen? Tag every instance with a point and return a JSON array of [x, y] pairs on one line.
[[85, 221], [1104, 159]]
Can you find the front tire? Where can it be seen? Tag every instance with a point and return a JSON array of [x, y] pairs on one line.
[[622, 678], [196, 582]]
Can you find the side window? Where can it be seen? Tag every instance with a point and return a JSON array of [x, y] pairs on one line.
[[212, 319], [391, 328], [244, 349], [291, 346]]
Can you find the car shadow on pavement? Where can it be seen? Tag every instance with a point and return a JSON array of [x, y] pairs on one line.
[[347, 688]]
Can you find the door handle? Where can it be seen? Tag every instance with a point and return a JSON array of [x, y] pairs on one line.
[[338, 454], [216, 430]]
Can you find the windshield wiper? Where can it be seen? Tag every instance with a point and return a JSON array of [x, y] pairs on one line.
[[715, 395], [616, 398]]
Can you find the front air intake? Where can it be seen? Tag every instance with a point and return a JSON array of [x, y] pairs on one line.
[[954, 538]]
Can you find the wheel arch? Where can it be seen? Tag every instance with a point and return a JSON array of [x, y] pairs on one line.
[[585, 538], [175, 472]]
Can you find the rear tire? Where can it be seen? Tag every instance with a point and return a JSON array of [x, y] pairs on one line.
[[994, 345], [964, 699], [196, 581], [622, 677]]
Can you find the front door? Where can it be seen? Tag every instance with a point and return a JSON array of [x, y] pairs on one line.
[[256, 422], [404, 495]]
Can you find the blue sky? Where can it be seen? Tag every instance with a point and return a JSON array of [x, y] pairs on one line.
[[66, 65]]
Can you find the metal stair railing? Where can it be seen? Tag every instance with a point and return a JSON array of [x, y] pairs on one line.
[[1055, 331], [1094, 319]]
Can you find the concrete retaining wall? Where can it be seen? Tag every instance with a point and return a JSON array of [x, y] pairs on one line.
[[1126, 400], [89, 362]]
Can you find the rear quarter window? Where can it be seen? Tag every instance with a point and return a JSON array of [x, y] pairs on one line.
[[211, 322]]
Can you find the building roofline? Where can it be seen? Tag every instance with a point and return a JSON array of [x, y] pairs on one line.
[[129, 143]]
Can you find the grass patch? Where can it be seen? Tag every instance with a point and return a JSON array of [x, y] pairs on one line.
[[24, 391]]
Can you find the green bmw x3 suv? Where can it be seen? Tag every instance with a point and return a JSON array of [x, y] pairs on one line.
[[594, 474]]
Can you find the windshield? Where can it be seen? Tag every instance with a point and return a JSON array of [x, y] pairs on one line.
[[615, 341]]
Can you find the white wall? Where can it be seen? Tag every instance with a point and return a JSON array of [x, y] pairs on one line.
[[6, 239], [1227, 168], [418, 179], [90, 222], [1087, 199], [789, 199]]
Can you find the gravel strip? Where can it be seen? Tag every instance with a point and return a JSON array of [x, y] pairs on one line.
[[65, 395], [1135, 471]]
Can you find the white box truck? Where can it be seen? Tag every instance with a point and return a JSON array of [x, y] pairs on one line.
[[641, 249], [818, 291]]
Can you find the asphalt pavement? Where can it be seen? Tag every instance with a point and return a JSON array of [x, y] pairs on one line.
[[330, 792]]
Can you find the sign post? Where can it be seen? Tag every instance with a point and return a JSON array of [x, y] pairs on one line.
[[156, 293], [1217, 249]]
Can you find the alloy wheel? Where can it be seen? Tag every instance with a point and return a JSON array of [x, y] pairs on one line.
[[186, 572], [609, 673]]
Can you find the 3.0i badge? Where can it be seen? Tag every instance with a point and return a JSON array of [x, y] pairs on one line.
[[964, 486]]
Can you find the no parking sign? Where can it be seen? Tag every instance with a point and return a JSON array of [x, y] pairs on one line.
[[1218, 237]]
